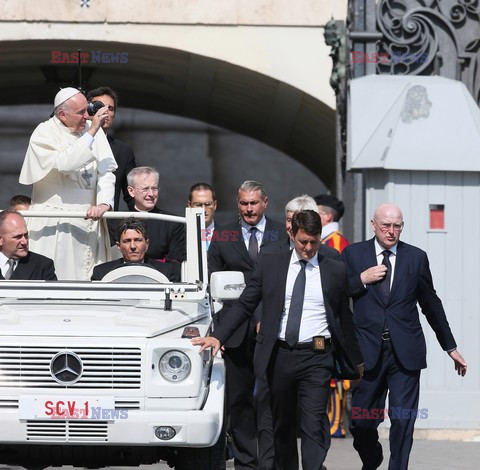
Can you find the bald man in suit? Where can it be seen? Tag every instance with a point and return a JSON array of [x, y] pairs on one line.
[[16, 262], [387, 278]]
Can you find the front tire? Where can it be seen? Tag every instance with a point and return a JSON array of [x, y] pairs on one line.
[[205, 458]]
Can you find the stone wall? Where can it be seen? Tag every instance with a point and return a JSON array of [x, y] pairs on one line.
[[184, 151]]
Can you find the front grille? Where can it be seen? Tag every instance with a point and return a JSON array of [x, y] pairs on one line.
[[8, 403], [103, 367], [126, 404], [67, 431]]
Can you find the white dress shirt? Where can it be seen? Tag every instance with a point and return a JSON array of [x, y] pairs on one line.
[[4, 264], [208, 233], [392, 258], [314, 317], [259, 233]]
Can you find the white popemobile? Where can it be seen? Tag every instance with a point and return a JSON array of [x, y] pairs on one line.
[[104, 373]]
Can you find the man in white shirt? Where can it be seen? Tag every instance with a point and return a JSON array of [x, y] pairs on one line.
[[304, 314], [202, 195]]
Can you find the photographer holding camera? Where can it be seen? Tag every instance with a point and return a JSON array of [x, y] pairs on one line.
[[123, 153], [70, 164]]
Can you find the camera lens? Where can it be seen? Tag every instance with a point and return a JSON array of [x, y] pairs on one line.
[[92, 108]]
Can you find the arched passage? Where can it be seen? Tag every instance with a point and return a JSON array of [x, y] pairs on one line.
[[183, 84]]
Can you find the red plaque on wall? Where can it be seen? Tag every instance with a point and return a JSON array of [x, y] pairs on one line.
[[437, 217]]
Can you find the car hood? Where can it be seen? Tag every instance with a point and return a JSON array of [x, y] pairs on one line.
[[95, 318]]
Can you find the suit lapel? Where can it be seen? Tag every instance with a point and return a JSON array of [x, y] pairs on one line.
[[326, 285], [23, 269], [267, 234], [370, 256], [238, 244], [281, 277]]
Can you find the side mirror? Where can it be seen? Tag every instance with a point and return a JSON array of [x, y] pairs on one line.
[[227, 285]]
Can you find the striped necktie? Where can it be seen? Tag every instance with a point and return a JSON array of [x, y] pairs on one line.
[[11, 264]]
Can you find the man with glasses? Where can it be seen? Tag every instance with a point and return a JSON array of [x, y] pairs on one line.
[[202, 195], [167, 239], [387, 278]]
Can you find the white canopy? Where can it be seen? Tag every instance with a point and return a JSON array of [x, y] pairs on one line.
[[405, 122]]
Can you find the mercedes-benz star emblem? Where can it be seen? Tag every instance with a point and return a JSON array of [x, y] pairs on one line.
[[66, 367]]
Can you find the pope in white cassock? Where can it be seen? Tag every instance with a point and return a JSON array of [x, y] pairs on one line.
[[70, 164]]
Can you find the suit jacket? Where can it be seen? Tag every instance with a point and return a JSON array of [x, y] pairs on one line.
[[168, 269], [283, 245], [412, 283], [268, 286], [34, 267], [227, 252], [125, 159]]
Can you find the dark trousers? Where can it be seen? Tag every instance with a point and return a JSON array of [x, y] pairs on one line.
[[240, 404], [368, 403], [300, 376], [266, 450]]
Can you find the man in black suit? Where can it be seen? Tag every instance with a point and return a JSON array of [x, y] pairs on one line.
[[16, 261], [386, 280], [133, 243], [122, 152], [235, 247], [304, 314], [284, 244]]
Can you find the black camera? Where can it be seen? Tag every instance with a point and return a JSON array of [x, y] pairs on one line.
[[93, 107]]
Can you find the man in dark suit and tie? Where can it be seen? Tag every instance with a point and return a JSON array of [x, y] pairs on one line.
[[284, 244], [122, 152], [235, 247], [386, 280], [133, 243], [16, 262], [305, 314], [202, 196]]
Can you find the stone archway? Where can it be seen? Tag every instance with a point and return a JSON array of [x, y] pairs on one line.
[[180, 83]]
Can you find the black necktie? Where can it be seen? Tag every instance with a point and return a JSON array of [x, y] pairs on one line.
[[384, 284], [253, 244], [296, 307], [11, 264]]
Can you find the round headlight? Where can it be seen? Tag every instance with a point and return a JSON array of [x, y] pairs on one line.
[[174, 366]]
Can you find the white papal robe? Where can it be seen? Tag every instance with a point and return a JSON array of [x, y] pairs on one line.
[[69, 172]]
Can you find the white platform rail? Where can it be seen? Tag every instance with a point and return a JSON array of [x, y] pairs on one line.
[[195, 276]]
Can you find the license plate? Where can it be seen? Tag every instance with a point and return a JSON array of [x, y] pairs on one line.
[[66, 407]]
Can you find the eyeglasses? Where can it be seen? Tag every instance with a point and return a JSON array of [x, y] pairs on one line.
[[384, 227], [154, 189], [202, 204]]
